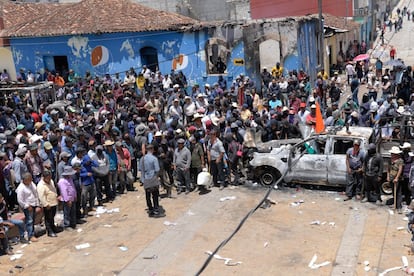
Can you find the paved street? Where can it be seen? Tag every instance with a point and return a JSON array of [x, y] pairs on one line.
[[353, 238], [280, 240]]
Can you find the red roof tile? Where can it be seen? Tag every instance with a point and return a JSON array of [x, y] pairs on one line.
[[86, 17]]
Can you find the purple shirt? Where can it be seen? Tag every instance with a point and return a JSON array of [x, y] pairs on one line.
[[67, 189]]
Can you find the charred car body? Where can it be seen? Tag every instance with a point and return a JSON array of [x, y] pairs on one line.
[[319, 159]]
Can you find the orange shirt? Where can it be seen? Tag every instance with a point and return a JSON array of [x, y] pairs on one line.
[[59, 81]]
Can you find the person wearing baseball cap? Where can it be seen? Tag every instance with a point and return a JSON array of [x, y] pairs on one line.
[[354, 161]]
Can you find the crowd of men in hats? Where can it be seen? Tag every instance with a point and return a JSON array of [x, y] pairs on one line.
[[159, 128]]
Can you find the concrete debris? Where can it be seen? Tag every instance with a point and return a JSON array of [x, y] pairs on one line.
[[227, 261], [391, 212], [123, 248], [190, 213], [227, 198], [82, 246], [367, 267], [266, 204], [15, 257], [153, 257], [169, 223], [315, 222], [79, 230], [404, 261], [266, 244], [401, 228], [297, 203], [312, 264], [101, 210], [107, 225]]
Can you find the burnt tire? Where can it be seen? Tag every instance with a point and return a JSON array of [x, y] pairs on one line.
[[268, 176], [386, 188]]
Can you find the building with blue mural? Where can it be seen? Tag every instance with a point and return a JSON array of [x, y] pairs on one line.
[[112, 39]]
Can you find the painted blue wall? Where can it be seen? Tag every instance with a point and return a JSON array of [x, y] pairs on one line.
[[307, 49], [118, 52]]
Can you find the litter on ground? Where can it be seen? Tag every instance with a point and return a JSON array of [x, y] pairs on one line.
[[312, 264], [82, 246], [169, 223], [227, 261], [227, 198]]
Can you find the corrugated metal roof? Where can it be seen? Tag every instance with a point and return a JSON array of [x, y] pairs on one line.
[[86, 17]]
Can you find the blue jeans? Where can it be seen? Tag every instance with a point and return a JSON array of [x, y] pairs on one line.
[[29, 219], [69, 214], [20, 224]]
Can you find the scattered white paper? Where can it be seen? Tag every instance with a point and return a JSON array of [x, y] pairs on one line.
[[227, 198], [123, 248], [107, 226], [190, 213], [227, 261], [401, 228], [79, 230], [169, 223], [337, 198], [332, 223], [23, 245], [312, 264], [391, 212], [15, 257], [405, 218], [315, 222], [266, 244], [82, 246]]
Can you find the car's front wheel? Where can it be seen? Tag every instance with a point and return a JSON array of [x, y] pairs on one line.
[[268, 176], [386, 188]]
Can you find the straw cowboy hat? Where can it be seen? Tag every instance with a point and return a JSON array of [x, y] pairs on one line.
[[395, 150]]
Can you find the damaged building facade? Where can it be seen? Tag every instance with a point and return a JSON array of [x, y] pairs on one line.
[[176, 42]]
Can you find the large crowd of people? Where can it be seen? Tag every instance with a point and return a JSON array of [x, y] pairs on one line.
[[93, 146]]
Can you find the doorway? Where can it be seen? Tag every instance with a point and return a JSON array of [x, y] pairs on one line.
[[56, 63], [149, 57]]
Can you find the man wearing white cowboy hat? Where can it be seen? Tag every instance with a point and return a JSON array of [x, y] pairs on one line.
[[407, 156], [394, 175]]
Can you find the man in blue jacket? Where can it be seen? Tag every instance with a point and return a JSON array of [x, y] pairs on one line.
[[87, 183]]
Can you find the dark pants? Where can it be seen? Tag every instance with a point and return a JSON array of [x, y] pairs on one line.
[[154, 193], [354, 185], [134, 166], [216, 170], [183, 177], [88, 196], [406, 191], [50, 219], [69, 214], [167, 185], [372, 188], [194, 174], [102, 184], [113, 176], [234, 168]]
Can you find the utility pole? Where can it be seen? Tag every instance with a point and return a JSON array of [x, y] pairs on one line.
[[374, 21], [321, 36]]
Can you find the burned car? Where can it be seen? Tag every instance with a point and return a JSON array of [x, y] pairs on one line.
[[319, 159]]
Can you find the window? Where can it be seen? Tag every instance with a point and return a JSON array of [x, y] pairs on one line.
[[342, 145]]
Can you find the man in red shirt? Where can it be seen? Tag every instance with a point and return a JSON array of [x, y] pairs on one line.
[[311, 118]]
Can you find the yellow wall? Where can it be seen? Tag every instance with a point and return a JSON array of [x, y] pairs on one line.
[[6, 62]]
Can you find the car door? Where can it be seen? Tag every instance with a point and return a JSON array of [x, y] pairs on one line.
[[336, 160], [309, 163]]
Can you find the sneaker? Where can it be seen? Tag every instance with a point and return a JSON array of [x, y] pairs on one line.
[[364, 200], [9, 251], [23, 240], [358, 197], [399, 211], [221, 187], [158, 214], [347, 198], [187, 192]]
